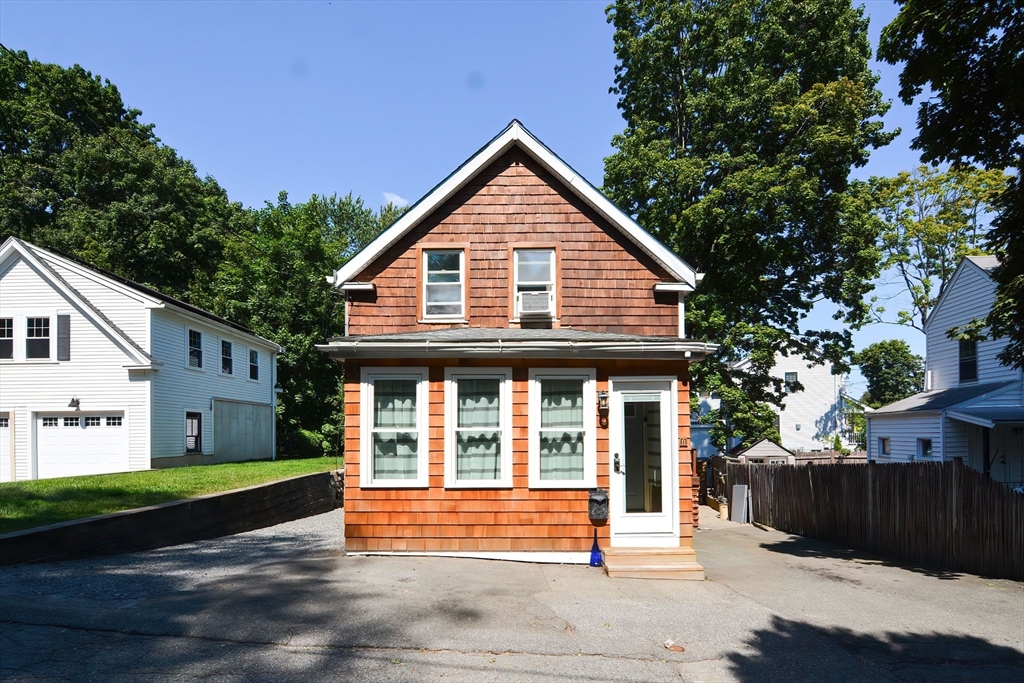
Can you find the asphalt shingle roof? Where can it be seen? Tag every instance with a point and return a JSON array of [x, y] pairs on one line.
[[503, 334], [930, 401]]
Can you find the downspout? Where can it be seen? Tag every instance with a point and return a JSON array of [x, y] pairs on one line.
[[273, 405]]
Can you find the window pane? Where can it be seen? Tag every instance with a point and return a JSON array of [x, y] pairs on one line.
[[444, 293], [443, 260], [561, 455], [534, 272], [444, 309], [561, 403], [38, 327], [478, 403], [394, 454], [445, 277], [394, 403], [37, 348], [478, 454]]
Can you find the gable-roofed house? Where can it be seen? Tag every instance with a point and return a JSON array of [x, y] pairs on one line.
[[99, 374], [513, 342], [972, 407]]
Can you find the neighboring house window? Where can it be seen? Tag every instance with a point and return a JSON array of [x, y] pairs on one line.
[[924, 448], [968, 360], [72, 422], [6, 337], [883, 446], [193, 432], [5, 422], [534, 282], [776, 461], [790, 383], [254, 364], [562, 429], [49, 422], [114, 421], [444, 282], [394, 442], [195, 349], [478, 421], [37, 343], [92, 422], [226, 361]]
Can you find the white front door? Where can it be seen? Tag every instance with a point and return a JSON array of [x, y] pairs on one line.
[[643, 478], [72, 444]]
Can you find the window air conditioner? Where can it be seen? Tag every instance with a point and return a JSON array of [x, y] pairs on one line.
[[535, 304]]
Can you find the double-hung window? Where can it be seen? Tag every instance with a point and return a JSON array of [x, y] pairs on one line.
[[534, 282], [6, 337], [254, 364], [444, 284], [789, 383], [195, 349], [478, 427], [562, 428], [37, 338], [968, 360], [394, 434], [883, 447], [924, 448], [227, 362]]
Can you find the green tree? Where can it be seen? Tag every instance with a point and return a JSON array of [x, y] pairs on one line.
[[743, 121], [893, 372], [273, 281], [969, 54], [930, 220]]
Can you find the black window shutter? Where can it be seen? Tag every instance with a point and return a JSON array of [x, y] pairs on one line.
[[63, 337]]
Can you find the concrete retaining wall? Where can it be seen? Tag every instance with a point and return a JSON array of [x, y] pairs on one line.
[[183, 521]]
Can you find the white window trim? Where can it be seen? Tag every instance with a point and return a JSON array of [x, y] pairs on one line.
[[919, 450], [515, 281], [451, 419], [202, 428], [881, 452], [220, 356], [249, 364], [589, 376], [202, 349], [447, 317], [20, 317], [422, 377]]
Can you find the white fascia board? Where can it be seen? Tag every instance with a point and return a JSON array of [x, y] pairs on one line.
[[30, 257], [584, 190], [672, 287], [970, 419]]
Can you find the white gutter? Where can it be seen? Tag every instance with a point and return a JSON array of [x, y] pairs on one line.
[[502, 347]]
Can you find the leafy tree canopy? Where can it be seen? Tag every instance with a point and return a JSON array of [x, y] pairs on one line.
[[893, 372], [743, 121], [930, 220], [83, 175], [969, 55]]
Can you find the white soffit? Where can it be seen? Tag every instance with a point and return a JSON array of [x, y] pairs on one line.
[[514, 134]]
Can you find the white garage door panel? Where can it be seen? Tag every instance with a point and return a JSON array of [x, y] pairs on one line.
[[67, 450], [5, 447]]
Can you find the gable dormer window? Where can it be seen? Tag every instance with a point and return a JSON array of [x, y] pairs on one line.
[[968, 360], [534, 272], [444, 284]]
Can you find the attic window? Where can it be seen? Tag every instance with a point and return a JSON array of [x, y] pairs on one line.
[[535, 282], [444, 281]]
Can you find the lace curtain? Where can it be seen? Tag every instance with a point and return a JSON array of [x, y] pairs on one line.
[[561, 429]]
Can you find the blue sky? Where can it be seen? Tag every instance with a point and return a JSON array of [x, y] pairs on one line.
[[378, 99]]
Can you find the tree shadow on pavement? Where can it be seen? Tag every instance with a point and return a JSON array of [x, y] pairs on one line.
[[792, 650], [800, 546]]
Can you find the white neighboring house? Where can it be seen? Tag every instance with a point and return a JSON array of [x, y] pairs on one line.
[[972, 406], [99, 374], [809, 419]]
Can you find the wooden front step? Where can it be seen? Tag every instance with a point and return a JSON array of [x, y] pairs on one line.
[[653, 563]]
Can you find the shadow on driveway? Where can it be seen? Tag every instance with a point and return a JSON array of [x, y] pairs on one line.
[[799, 546]]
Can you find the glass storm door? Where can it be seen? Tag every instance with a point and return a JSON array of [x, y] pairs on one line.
[[643, 484]]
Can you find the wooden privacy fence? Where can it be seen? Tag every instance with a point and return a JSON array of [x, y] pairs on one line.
[[943, 515]]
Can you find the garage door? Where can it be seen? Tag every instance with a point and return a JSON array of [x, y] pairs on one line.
[[81, 443], [5, 447]]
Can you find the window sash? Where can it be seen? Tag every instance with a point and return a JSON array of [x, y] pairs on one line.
[[968, 353], [443, 285], [6, 338], [195, 349], [394, 413], [226, 358], [478, 419], [37, 338], [254, 365], [562, 428], [533, 273]]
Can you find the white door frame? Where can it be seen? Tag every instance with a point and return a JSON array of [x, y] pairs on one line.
[[660, 529]]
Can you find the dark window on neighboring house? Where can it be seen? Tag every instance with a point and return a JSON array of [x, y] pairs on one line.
[[195, 349], [193, 432], [6, 337], [883, 446], [92, 422], [227, 365], [968, 360], [37, 342], [790, 382], [254, 365], [924, 448]]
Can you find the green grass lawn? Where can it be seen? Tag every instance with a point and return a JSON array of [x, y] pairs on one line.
[[26, 504]]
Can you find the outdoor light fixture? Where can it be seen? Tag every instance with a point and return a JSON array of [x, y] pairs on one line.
[[278, 388], [74, 403], [602, 401]]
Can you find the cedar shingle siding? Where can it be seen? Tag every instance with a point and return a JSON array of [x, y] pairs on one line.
[[605, 283]]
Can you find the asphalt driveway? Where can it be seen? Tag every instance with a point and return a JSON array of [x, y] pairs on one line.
[[285, 604]]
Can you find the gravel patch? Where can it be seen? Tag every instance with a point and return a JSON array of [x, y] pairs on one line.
[[132, 576]]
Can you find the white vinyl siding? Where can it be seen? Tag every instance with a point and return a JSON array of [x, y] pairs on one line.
[[903, 433], [970, 294], [809, 418]]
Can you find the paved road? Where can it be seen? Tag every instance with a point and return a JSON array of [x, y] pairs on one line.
[[285, 604]]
